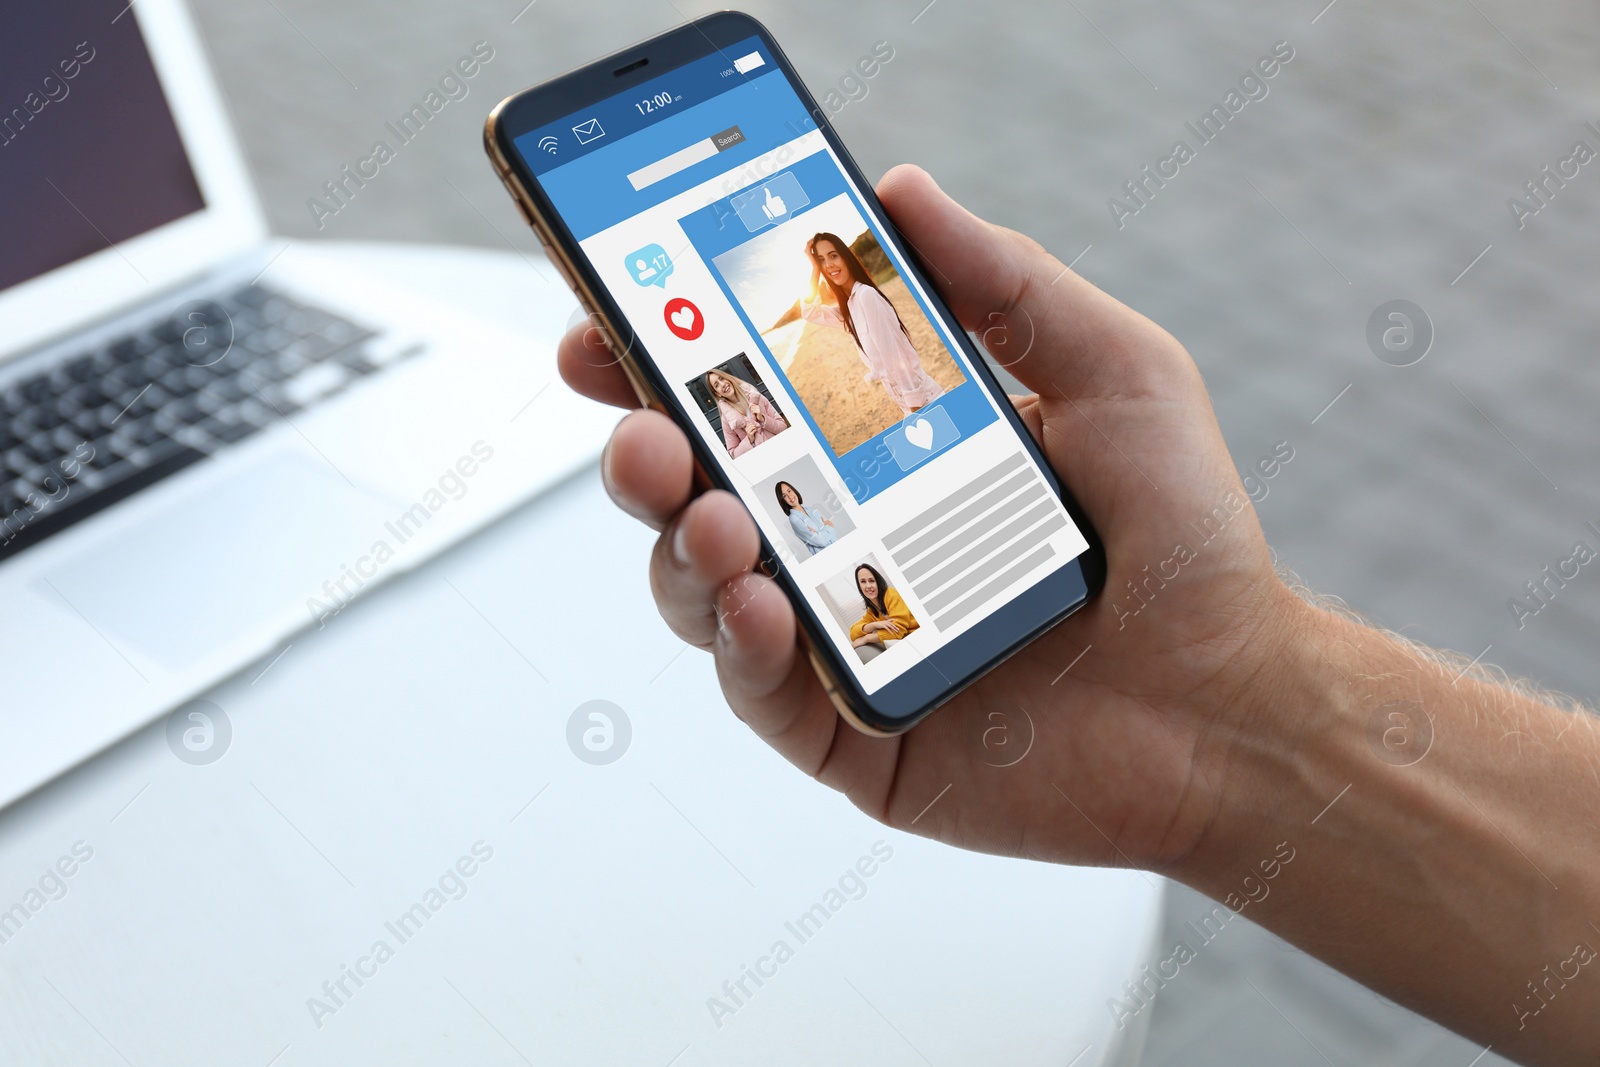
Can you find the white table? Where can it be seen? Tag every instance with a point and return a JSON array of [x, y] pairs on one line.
[[432, 715]]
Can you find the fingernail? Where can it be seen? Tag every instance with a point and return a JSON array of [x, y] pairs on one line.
[[679, 545], [606, 453]]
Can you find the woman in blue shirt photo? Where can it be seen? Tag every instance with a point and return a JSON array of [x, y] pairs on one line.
[[813, 528]]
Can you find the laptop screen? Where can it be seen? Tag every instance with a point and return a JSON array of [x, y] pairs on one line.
[[89, 152]]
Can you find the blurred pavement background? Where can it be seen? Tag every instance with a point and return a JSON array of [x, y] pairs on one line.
[[1377, 168]]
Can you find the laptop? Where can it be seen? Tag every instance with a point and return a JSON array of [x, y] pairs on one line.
[[211, 440]]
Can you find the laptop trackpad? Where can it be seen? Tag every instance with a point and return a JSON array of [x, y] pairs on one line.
[[184, 583]]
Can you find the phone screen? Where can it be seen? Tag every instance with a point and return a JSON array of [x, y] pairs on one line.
[[788, 324]]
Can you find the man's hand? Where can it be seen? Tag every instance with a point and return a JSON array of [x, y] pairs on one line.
[[1197, 717], [1130, 744]]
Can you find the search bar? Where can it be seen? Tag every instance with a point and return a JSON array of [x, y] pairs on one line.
[[685, 158]]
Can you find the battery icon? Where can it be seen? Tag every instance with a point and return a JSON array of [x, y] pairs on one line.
[[745, 64]]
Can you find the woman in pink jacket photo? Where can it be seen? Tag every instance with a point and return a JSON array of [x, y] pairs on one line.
[[748, 418]]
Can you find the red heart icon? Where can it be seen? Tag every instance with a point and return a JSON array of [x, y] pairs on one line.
[[684, 319]]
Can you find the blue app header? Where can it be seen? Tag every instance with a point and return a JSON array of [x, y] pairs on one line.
[[608, 121], [627, 153]]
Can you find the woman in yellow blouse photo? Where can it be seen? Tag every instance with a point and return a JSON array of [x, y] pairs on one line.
[[886, 618]]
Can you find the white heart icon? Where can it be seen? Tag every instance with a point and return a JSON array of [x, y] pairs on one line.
[[683, 318], [920, 433]]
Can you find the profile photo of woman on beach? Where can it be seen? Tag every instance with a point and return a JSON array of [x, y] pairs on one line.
[[844, 295], [841, 323]]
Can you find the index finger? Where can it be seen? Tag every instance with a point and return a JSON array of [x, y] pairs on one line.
[[588, 366]]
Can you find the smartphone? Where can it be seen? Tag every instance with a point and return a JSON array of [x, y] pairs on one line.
[[694, 195]]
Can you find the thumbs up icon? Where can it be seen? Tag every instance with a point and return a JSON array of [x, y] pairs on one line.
[[771, 203], [772, 206]]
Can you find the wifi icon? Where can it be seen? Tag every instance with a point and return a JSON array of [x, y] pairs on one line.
[[548, 144]]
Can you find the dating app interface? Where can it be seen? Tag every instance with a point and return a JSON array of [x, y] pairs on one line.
[[783, 315]]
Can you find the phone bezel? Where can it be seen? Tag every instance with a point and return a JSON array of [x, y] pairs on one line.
[[901, 703]]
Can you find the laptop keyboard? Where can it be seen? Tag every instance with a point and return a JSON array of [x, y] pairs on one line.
[[106, 423]]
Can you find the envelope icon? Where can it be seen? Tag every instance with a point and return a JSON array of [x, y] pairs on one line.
[[588, 131]]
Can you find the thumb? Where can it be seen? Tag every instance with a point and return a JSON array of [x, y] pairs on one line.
[[1052, 329]]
